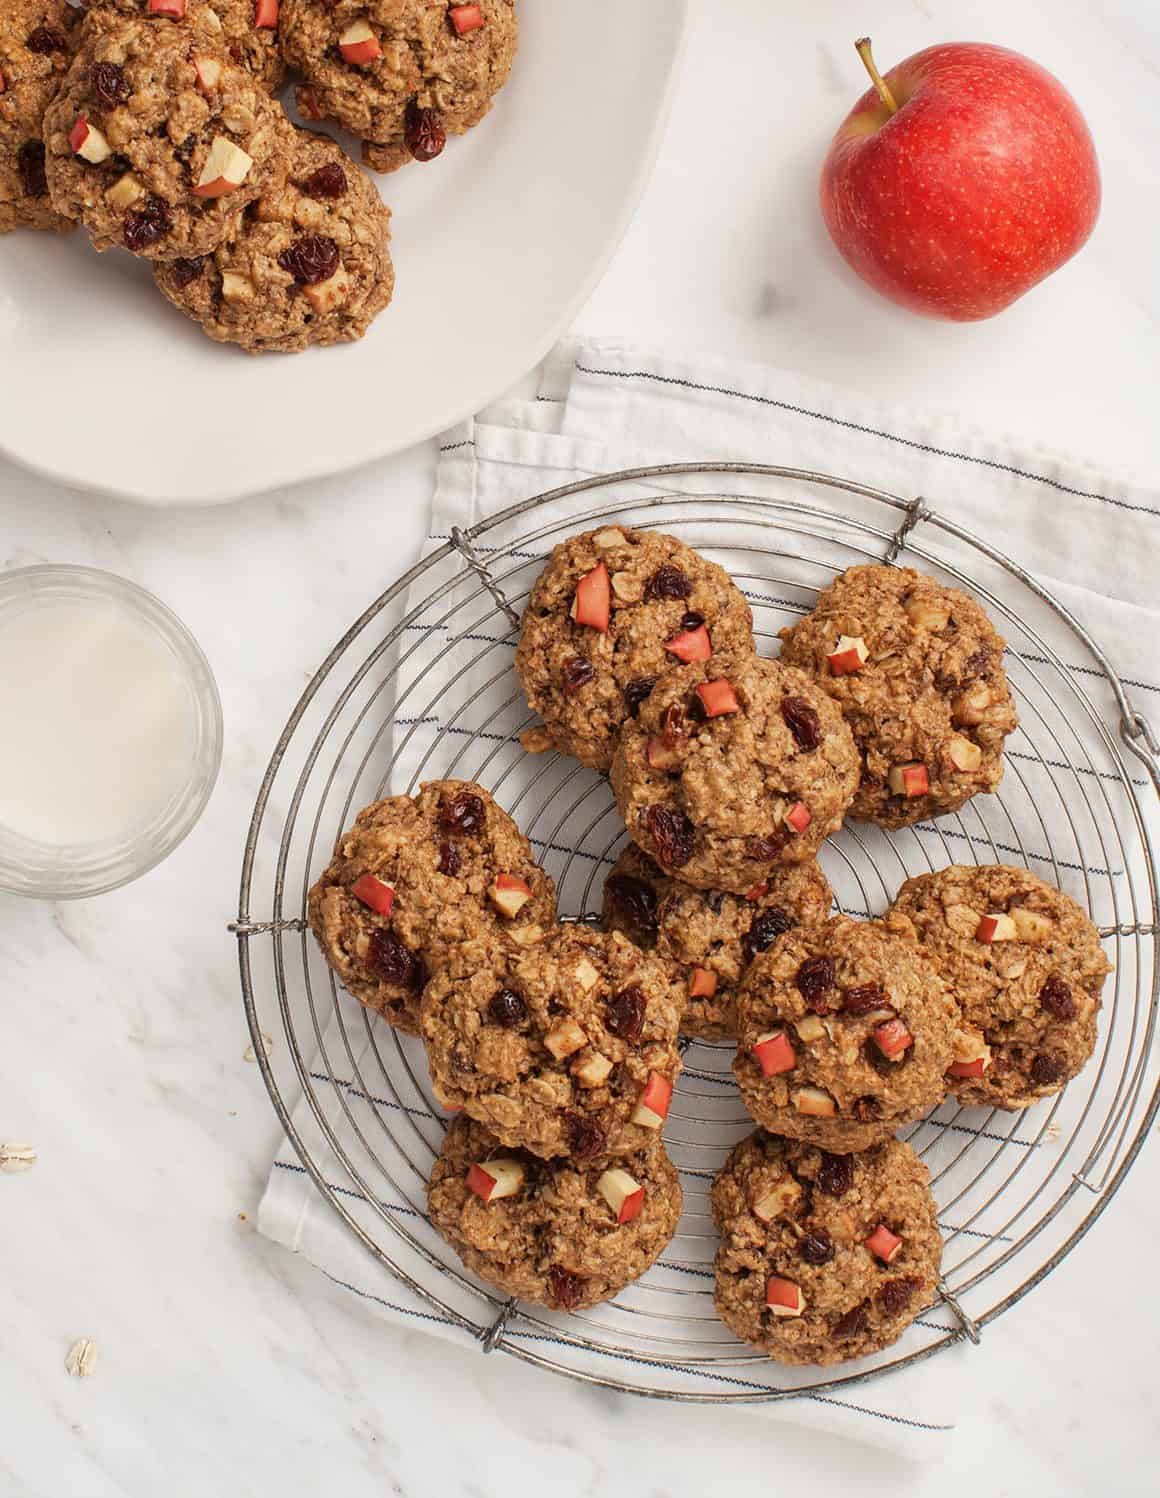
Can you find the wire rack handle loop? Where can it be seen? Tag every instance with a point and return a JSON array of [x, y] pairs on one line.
[[916, 512], [490, 1336], [1140, 737], [469, 554]]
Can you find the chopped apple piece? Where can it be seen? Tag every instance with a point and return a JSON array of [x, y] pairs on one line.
[[586, 975], [592, 1070], [606, 539], [226, 167], [783, 1297], [778, 1200], [653, 1106], [88, 142], [995, 926], [626, 588], [174, 9], [1031, 926], [266, 14], [971, 1052], [370, 891], [466, 18], [964, 754], [974, 1068], [774, 1053], [495, 1179], [509, 894], [565, 1039], [924, 614], [703, 983], [325, 296], [892, 1038], [798, 818], [848, 655], [359, 45], [718, 698], [757, 892], [970, 708], [810, 1029], [814, 1103], [884, 1244], [624, 1195], [592, 604], [909, 780], [691, 645], [209, 71], [236, 287], [124, 192], [661, 756]]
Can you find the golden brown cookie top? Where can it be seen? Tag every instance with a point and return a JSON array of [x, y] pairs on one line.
[[37, 41]]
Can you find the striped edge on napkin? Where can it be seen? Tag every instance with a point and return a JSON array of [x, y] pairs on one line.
[[600, 406]]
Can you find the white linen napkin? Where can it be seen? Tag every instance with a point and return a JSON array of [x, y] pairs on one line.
[[600, 406]]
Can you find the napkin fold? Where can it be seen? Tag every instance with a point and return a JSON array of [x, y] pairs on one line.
[[598, 406]]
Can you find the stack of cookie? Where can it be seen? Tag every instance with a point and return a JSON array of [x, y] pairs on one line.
[[558, 1044], [152, 124]]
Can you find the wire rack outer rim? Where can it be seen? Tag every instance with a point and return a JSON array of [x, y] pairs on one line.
[[1136, 731]]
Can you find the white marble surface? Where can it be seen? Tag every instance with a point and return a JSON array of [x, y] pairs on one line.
[[227, 1368]]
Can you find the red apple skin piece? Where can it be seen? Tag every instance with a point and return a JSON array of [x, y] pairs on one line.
[[357, 53], [465, 18], [967, 1068], [883, 1243], [892, 1038], [703, 983], [78, 134], [656, 1095], [692, 645], [798, 818], [775, 1054], [983, 183], [592, 605], [374, 894], [784, 1294], [175, 9], [718, 698], [480, 1182], [266, 15], [757, 891]]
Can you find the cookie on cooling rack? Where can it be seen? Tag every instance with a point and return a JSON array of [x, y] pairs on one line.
[[568, 1047], [37, 42], [557, 1233], [917, 668], [733, 767], [614, 609], [246, 30], [845, 1033], [413, 877], [823, 1258], [1025, 965], [400, 74], [707, 938]]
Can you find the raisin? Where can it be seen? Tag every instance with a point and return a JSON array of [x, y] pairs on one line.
[[816, 1248], [633, 903], [668, 582], [852, 1324], [867, 1109], [390, 960], [692, 621], [764, 930], [564, 1289], [673, 835], [576, 672], [144, 226], [311, 259], [1046, 1069], [637, 692], [184, 272], [896, 1295], [463, 815], [328, 181], [815, 978], [423, 132], [802, 722], [585, 1138], [863, 999], [507, 1009], [109, 84], [1055, 996], [836, 1175], [30, 164], [766, 849], [695, 708], [625, 1015], [673, 725], [449, 860], [46, 39]]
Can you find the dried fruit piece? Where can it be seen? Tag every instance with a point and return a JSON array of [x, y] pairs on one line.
[[1046, 1070], [864, 999], [391, 961], [564, 1289], [852, 1324], [310, 259], [802, 722], [634, 903], [672, 834], [816, 1247], [30, 165], [764, 930], [836, 1174], [575, 672], [507, 1009], [896, 1295], [144, 226], [46, 39], [637, 692], [449, 860], [423, 132], [328, 182], [109, 84], [766, 850], [185, 271], [669, 581], [585, 1138], [463, 816], [815, 979], [1056, 997], [625, 1012], [867, 1109]]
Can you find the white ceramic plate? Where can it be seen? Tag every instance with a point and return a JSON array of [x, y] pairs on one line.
[[496, 246]]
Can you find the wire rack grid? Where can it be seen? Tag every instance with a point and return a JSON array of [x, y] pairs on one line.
[[422, 687]]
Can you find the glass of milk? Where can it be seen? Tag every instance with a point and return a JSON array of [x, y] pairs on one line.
[[110, 731]]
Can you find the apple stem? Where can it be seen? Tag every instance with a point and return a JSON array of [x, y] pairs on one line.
[[864, 52]]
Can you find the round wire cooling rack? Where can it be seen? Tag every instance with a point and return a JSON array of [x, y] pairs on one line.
[[422, 687]]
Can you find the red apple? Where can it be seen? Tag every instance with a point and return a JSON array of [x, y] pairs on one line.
[[622, 1193], [995, 926], [783, 1297], [703, 983], [374, 894], [592, 605], [266, 14], [495, 1179], [974, 1068], [960, 180], [848, 655], [892, 1038], [509, 894], [175, 9], [798, 818], [465, 18], [718, 698], [883, 1243], [653, 1106], [358, 44], [774, 1053], [909, 780], [756, 892], [691, 645]]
